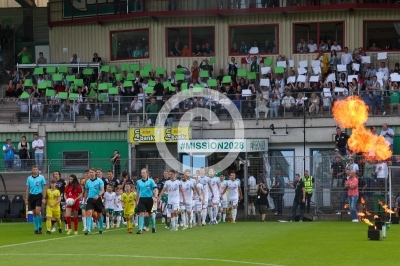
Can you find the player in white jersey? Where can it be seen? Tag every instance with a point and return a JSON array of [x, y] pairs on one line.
[[235, 193], [174, 187], [205, 181], [224, 199], [215, 199], [109, 197], [188, 188], [118, 206], [199, 199]]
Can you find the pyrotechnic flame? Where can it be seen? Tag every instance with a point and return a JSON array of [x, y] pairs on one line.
[[376, 216], [353, 113], [367, 213], [389, 211], [367, 222], [385, 207], [346, 206], [362, 200], [361, 214], [380, 202]]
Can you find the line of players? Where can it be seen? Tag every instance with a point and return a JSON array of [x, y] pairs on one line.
[[191, 198]]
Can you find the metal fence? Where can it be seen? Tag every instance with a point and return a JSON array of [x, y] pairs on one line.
[[329, 195]]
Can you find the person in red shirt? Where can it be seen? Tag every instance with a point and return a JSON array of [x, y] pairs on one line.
[[352, 192], [72, 190]]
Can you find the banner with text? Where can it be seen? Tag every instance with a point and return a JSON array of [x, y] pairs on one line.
[[159, 134], [222, 145]]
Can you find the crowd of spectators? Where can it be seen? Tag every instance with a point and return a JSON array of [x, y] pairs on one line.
[[308, 88]]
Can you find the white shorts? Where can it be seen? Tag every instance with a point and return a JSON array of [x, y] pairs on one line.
[[198, 206], [186, 207], [233, 202], [216, 200], [224, 204], [173, 206]]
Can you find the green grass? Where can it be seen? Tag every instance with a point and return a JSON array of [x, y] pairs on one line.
[[243, 243]]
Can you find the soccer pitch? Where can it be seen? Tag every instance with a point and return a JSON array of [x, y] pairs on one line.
[[243, 243]]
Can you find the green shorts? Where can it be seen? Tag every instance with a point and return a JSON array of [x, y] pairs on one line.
[[118, 213], [110, 211]]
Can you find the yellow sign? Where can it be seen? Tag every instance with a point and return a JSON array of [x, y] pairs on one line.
[[159, 134]]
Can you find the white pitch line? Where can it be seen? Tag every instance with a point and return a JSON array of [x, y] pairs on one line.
[[148, 257], [46, 240]]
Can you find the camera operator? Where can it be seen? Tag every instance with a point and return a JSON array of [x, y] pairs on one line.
[[262, 199]]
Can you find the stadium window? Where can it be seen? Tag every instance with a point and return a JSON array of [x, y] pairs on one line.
[[244, 37], [190, 41], [312, 37], [381, 35], [129, 44]]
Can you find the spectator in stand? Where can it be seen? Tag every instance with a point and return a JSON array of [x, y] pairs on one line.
[[138, 52], [232, 68], [334, 60], [299, 107], [394, 97], [195, 70], [152, 112], [26, 57], [234, 49], [274, 105], [37, 110], [267, 48], [50, 111], [96, 59], [207, 50], [185, 50], [384, 69], [374, 47], [261, 106], [41, 59], [347, 59], [288, 103], [388, 134], [244, 49], [381, 171], [23, 150], [312, 47], [254, 63], [336, 47], [10, 91], [146, 51], [9, 150], [175, 51], [38, 146], [375, 93], [341, 141], [197, 51], [74, 60], [323, 46], [24, 109], [302, 46], [205, 66], [136, 105]]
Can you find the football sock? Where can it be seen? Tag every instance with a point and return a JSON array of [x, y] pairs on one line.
[[223, 217], [141, 221], [234, 214], [39, 221], [118, 220], [203, 215], [35, 223], [129, 223], [153, 220], [173, 222], [107, 221], [89, 223], [100, 223], [183, 216], [76, 221], [48, 225], [210, 213], [84, 221], [215, 212], [69, 222], [146, 221]]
